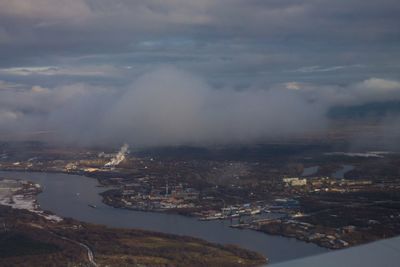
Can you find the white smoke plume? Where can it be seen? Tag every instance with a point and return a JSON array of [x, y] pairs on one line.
[[119, 157]]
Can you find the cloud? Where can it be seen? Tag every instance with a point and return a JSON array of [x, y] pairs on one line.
[[380, 85], [4, 85], [312, 69], [45, 9], [82, 70], [293, 86], [30, 70], [229, 42], [165, 106], [79, 26], [369, 90], [253, 70], [6, 116], [170, 106]]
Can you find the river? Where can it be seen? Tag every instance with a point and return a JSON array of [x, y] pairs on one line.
[[69, 195], [339, 174], [310, 171]]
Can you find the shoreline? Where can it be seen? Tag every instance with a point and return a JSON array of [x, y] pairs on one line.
[[58, 229], [174, 212]]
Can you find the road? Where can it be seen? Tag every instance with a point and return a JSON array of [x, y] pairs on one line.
[[90, 254]]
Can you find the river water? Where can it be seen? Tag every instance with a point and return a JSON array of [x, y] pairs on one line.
[[69, 195], [310, 171], [339, 174]]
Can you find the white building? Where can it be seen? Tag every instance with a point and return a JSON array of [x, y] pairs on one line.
[[295, 181]]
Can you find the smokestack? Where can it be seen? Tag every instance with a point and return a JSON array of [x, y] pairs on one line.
[[119, 157]]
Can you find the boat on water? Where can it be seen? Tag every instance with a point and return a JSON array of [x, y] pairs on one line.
[[92, 206]]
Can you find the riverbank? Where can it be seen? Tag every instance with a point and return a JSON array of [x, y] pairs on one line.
[[69, 195], [36, 238], [277, 228]]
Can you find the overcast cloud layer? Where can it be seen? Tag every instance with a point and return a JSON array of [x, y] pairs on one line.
[[165, 72]]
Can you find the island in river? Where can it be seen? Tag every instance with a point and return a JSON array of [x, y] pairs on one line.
[[32, 237]]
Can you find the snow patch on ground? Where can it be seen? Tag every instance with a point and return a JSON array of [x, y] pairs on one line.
[[22, 195]]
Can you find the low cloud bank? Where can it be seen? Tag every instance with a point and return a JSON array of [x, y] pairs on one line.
[[168, 106]]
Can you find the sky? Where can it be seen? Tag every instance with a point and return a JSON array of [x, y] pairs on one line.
[[171, 72]]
